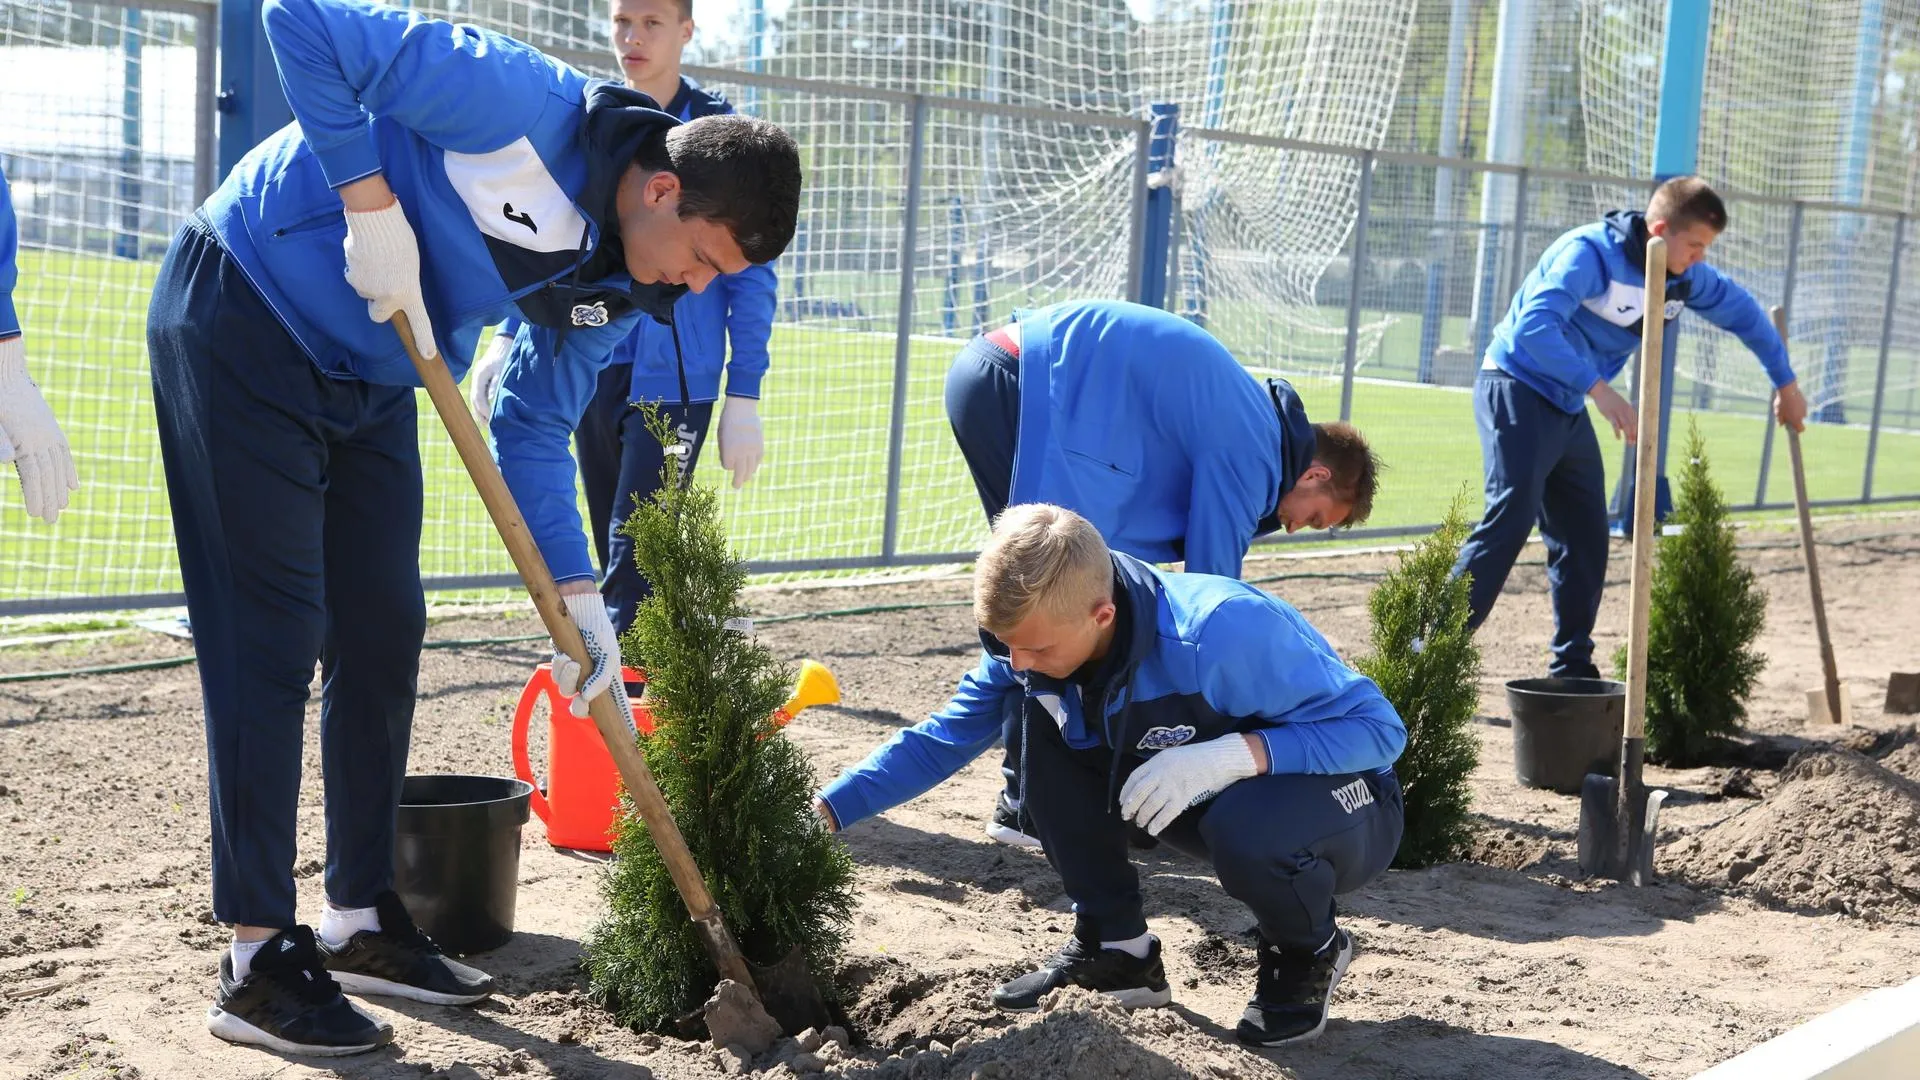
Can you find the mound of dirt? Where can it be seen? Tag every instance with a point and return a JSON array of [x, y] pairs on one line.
[[1838, 834], [1086, 1036]]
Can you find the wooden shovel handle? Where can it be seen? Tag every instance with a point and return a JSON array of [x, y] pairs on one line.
[[615, 730], [1645, 484], [1828, 668]]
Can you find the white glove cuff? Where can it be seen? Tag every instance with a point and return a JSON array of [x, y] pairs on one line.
[[13, 361], [1228, 756], [385, 228], [589, 613]]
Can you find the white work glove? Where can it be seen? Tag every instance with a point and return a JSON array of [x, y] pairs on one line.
[[31, 438], [741, 443], [589, 612], [1173, 780], [484, 380], [383, 266]]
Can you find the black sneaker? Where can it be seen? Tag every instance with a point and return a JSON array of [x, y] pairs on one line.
[[1290, 1000], [1135, 982], [1005, 825], [399, 960], [287, 1003]]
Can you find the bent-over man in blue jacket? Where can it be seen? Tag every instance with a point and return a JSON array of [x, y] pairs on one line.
[[1195, 707], [457, 176], [1145, 424], [726, 326], [1569, 331]]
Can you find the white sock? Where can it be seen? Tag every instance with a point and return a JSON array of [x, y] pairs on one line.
[[242, 954], [1137, 947], [338, 924]]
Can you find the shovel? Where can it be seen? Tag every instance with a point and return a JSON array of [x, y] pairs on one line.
[[1830, 704], [786, 990], [1618, 814]]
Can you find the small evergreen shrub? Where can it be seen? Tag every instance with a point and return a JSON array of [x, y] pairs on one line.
[[1707, 612], [1427, 665], [740, 790]]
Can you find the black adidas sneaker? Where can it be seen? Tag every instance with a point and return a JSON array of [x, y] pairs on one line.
[[1290, 999], [399, 960], [1007, 827], [289, 1004], [1135, 982]]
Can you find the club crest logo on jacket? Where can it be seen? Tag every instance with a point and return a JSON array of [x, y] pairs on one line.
[[1166, 738], [594, 314]]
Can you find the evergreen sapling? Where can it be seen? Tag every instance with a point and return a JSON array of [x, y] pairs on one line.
[[1425, 662], [739, 789], [1707, 611]]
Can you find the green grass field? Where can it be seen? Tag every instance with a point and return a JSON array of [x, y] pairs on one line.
[[821, 493]]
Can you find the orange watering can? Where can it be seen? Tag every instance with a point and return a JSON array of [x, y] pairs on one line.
[[582, 793]]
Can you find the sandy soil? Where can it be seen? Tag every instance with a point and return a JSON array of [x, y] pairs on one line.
[[1505, 966]]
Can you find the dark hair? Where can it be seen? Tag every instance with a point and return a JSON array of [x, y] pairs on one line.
[[1687, 200], [1355, 468], [740, 171]]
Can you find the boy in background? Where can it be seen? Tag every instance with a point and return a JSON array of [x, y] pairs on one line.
[[1569, 331]]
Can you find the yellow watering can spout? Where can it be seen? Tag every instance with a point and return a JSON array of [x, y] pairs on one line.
[[815, 686]]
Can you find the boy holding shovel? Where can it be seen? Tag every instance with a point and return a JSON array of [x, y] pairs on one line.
[[287, 429]]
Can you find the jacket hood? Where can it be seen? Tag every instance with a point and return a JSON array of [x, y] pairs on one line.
[[1296, 446], [1629, 230], [620, 121]]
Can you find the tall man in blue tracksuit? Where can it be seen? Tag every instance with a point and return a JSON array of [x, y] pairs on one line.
[[620, 460], [30, 437], [1195, 707], [1145, 424], [287, 427], [1569, 331]]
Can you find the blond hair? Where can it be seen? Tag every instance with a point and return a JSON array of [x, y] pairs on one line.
[[1040, 558]]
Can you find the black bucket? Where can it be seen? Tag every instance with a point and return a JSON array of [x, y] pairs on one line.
[[1564, 729], [456, 857]]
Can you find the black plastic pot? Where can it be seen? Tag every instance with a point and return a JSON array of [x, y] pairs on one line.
[[456, 857], [1564, 729]]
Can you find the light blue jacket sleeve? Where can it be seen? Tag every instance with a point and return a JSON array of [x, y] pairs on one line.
[[751, 296], [1723, 302], [918, 758], [342, 62], [1261, 659], [1543, 332], [539, 403], [9, 269]]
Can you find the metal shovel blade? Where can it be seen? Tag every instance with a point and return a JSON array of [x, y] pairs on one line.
[[790, 994], [1616, 837]]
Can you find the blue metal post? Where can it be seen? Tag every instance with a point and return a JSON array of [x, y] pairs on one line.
[[1676, 152], [1196, 292], [126, 242], [1165, 118], [1506, 144], [1852, 189], [1433, 313], [756, 51], [251, 104]]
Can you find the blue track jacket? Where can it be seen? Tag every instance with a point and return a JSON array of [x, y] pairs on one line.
[[1576, 319], [736, 310], [1206, 656], [9, 269], [506, 162], [1144, 424]]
